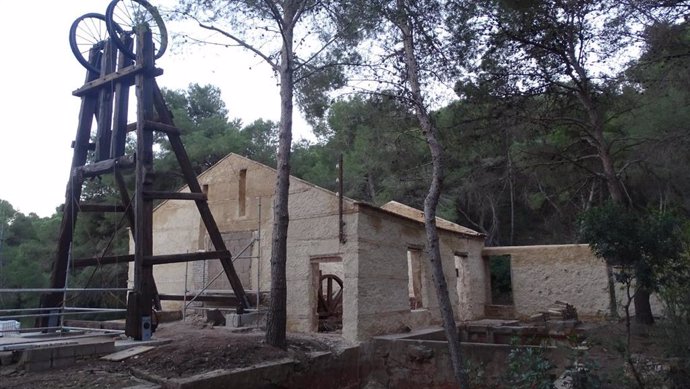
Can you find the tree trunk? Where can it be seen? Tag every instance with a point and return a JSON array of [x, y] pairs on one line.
[[431, 201], [643, 310], [277, 311], [613, 304]]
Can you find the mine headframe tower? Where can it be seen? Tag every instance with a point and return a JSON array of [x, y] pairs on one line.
[[105, 98]]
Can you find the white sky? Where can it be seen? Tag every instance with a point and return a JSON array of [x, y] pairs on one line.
[[39, 114]]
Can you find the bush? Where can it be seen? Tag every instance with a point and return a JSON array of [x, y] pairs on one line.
[[528, 368]]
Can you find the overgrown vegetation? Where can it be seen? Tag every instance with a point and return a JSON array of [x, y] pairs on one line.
[[528, 368]]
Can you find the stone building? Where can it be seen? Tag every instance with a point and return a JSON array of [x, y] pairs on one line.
[[378, 255]]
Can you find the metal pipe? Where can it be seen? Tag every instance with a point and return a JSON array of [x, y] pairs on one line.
[[25, 309], [96, 309], [258, 262], [94, 329], [64, 292], [31, 329], [184, 295], [48, 290], [60, 314]]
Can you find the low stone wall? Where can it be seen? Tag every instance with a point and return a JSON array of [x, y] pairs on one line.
[[402, 363], [314, 371]]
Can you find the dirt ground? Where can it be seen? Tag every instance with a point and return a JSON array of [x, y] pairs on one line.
[[195, 348]]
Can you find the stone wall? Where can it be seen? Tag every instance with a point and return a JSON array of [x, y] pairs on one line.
[[313, 236], [382, 274], [372, 262], [540, 275], [396, 361], [571, 273]]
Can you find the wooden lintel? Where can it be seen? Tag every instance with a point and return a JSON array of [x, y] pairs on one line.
[[187, 257], [152, 125], [84, 262], [156, 195], [91, 207], [106, 166], [125, 76]]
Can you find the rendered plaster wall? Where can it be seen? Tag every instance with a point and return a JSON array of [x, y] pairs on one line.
[[541, 275], [383, 290]]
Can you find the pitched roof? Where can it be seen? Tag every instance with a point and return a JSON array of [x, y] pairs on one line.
[[418, 215]]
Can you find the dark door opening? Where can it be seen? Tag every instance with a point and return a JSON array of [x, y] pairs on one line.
[[501, 284]]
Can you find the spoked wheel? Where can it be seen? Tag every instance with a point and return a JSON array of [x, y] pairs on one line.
[[87, 32], [330, 302], [123, 17]]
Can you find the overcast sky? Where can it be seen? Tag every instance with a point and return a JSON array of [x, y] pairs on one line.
[[39, 113]]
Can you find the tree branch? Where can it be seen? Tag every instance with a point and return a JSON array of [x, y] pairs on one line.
[[240, 42]]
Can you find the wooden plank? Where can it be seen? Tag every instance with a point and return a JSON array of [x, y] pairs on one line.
[[175, 196], [125, 76], [128, 353]]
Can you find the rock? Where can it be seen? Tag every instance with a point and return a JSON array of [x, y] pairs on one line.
[[215, 317]]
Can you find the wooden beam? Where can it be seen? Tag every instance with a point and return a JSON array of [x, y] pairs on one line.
[[152, 125], [223, 299], [107, 166], [141, 299], [204, 210], [105, 105], [58, 276], [187, 257], [109, 260], [93, 207], [124, 197], [174, 196], [119, 134], [124, 76], [150, 260]]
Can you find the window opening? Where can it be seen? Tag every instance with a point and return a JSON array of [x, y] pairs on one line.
[[242, 193], [414, 277]]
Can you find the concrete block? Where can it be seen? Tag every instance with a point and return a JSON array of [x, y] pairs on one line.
[[6, 358], [247, 319]]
